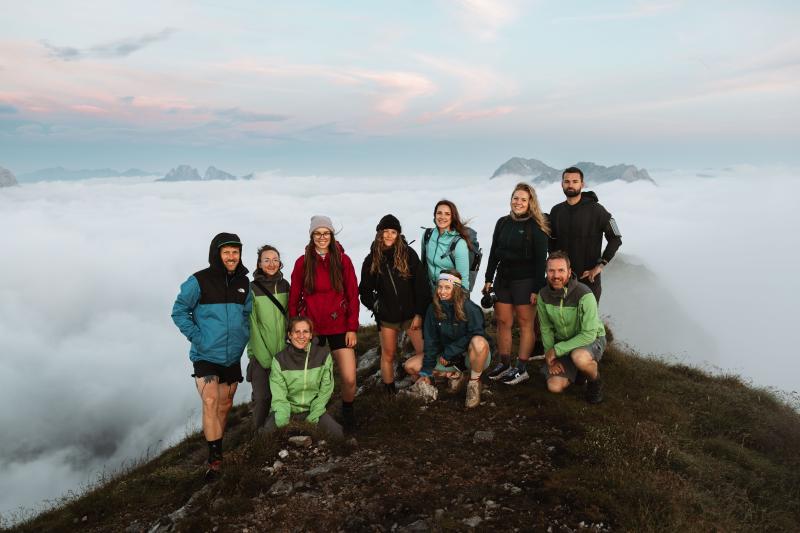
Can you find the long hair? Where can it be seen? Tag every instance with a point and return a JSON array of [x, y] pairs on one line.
[[400, 255], [458, 300], [455, 221], [534, 210], [310, 266]]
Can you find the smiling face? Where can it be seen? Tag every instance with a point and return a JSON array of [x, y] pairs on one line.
[[230, 257], [558, 273], [444, 290], [300, 335], [443, 217], [520, 202], [269, 262], [322, 239], [389, 237]]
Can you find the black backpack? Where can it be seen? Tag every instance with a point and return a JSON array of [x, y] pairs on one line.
[[474, 247]]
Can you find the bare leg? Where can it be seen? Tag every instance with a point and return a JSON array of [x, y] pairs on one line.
[[478, 353], [527, 337], [557, 384], [225, 396], [208, 388], [504, 314], [388, 353], [346, 360], [585, 363], [413, 366], [416, 340]]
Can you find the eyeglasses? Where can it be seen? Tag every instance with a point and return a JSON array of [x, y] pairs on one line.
[[271, 261], [321, 235]]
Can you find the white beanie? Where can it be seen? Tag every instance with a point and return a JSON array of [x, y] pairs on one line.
[[320, 221]]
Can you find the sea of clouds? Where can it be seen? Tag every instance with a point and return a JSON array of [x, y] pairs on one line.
[[96, 375]]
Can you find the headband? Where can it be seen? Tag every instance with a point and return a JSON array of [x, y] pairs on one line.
[[444, 276]]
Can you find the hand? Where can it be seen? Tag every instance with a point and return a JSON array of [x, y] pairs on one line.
[[416, 323], [487, 288], [444, 362], [350, 339], [550, 356], [556, 369], [534, 297], [591, 274]]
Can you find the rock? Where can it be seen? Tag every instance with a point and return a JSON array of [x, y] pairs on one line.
[[438, 514], [283, 454], [472, 522], [419, 525], [7, 178], [281, 488], [483, 436], [513, 489], [301, 441], [368, 362], [135, 527], [277, 464], [422, 390], [85, 518], [168, 523], [404, 383], [321, 472]]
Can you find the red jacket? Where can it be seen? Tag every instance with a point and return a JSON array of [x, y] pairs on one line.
[[331, 311]]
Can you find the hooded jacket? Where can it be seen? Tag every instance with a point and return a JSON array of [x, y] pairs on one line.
[[519, 251], [400, 298], [437, 256], [568, 317], [332, 312], [267, 322], [578, 230], [300, 381], [213, 307], [449, 338]]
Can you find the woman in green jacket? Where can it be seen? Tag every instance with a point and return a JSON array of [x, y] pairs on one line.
[[302, 381], [267, 327]]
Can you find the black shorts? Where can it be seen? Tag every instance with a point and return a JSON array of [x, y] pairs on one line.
[[515, 292], [334, 341], [226, 374]]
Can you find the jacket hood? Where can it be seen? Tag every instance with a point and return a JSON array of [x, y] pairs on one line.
[[214, 258], [588, 197]]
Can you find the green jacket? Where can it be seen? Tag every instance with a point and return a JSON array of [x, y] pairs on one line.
[[568, 317], [301, 381], [267, 323]]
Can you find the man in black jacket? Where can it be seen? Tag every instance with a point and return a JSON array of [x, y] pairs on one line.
[[577, 227]]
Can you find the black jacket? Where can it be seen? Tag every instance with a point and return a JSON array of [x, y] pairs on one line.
[[519, 251], [578, 230], [400, 298]]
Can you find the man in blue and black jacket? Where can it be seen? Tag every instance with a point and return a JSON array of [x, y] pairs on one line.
[[212, 310]]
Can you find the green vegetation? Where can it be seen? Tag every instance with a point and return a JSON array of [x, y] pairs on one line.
[[671, 449]]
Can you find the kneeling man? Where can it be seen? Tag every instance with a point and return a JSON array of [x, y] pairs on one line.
[[572, 333]]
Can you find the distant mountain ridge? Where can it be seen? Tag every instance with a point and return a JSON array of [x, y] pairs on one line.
[[64, 174], [189, 173], [7, 178], [542, 173]]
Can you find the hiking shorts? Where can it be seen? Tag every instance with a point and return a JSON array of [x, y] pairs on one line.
[[335, 341], [397, 326], [514, 292], [596, 348], [441, 368], [226, 374]]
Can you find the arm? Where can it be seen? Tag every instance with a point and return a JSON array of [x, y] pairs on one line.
[[613, 237], [552, 218], [422, 288], [280, 394], [433, 344], [296, 287], [317, 406], [538, 266], [183, 309], [474, 327], [491, 265], [587, 311], [350, 294], [367, 284], [256, 348], [462, 262]]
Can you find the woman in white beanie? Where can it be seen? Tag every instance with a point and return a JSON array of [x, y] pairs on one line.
[[324, 288]]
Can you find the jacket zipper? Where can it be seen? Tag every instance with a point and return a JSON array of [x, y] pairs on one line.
[[305, 377]]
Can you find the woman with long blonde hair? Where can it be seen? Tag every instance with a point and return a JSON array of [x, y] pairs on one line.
[[516, 273]]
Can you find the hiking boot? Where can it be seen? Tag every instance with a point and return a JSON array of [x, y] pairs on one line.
[[580, 379], [454, 385], [498, 371], [348, 420], [473, 394], [514, 377], [214, 470], [594, 391]]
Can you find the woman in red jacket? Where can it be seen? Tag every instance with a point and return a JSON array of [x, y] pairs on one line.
[[324, 288]]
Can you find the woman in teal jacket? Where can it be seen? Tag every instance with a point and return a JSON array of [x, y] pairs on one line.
[[436, 245], [302, 381], [267, 327]]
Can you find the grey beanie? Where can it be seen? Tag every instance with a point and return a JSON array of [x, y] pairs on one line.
[[320, 221]]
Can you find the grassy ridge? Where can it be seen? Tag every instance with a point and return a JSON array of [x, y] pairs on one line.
[[671, 448]]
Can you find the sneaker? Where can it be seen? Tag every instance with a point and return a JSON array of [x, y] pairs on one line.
[[455, 384], [514, 377], [498, 371], [214, 470], [594, 391], [473, 394]]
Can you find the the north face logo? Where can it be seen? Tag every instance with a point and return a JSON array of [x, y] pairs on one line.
[[241, 289]]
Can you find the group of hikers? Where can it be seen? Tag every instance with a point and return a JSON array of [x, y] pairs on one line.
[[294, 330]]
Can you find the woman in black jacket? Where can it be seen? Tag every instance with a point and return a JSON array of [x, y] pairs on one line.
[[393, 287]]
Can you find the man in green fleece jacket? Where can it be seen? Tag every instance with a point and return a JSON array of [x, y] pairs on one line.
[[572, 333], [301, 381]]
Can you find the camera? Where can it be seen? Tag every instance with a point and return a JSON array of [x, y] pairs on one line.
[[488, 300]]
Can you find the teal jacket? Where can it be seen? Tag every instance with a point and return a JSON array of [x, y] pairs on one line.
[[568, 317], [449, 338], [437, 256], [267, 323], [301, 381]]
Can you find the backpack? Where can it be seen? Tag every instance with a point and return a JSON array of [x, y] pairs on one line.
[[474, 247]]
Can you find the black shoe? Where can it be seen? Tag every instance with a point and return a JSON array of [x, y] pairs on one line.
[[580, 379], [594, 391], [214, 470], [348, 420]]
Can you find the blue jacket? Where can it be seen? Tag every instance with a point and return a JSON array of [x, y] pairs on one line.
[[437, 256], [213, 309], [450, 338]]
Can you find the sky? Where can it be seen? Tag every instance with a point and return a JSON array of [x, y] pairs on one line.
[[100, 376], [440, 88]]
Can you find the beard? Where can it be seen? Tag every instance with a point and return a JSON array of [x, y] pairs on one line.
[[571, 193]]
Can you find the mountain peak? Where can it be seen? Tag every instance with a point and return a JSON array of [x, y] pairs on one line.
[[7, 178], [540, 172]]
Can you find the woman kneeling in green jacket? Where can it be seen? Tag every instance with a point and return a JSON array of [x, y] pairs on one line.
[[301, 381]]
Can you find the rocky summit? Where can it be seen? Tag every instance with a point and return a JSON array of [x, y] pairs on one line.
[[7, 178], [540, 172], [182, 173]]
